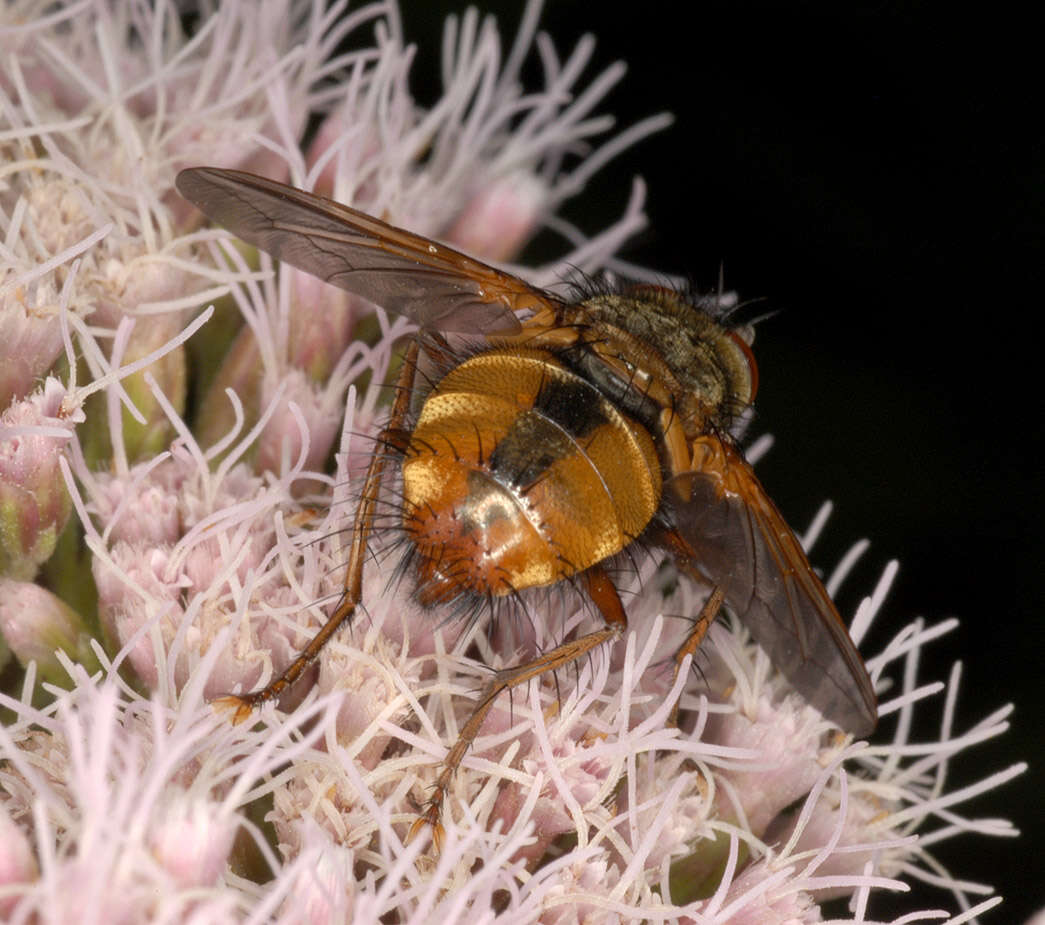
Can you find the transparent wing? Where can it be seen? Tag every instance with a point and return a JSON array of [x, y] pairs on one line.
[[434, 285], [738, 539]]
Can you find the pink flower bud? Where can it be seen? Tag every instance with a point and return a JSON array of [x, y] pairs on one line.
[[589, 878], [368, 684], [137, 570], [786, 737], [35, 624], [143, 513], [321, 321], [867, 822], [360, 146], [30, 340], [34, 502], [241, 372], [322, 893], [499, 218], [169, 372], [281, 441], [754, 905], [58, 212], [583, 778], [191, 840], [17, 862]]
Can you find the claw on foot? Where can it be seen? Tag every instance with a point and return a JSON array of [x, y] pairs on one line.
[[430, 818], [237, 708]]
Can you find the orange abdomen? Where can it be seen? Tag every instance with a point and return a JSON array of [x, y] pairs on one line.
[[520, 473]]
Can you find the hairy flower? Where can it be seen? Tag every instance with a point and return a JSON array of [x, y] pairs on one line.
[[34, 503], [209, 464]]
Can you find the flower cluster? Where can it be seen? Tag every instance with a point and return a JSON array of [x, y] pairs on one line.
[[182, 436]]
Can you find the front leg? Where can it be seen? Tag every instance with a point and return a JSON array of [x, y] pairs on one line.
[[241, 705]]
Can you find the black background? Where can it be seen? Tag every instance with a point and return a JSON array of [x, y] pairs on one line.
[[875, 173]]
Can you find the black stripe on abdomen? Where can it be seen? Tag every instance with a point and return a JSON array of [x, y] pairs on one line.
[[564, 411]]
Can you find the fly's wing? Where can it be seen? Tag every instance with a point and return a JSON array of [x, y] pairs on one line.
[[434, 285], [737, 539]]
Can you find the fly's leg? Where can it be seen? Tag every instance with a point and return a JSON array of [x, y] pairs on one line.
[[696, 636], [241, 705], [686, 561], [604, 595]]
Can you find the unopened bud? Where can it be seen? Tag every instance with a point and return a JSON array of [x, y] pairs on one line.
[[192, 841], [17, 863], [30, 339], [282, 438], [36, 624], [34, 502], [500, 218]]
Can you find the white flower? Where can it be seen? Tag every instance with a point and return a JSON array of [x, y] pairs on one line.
[[213, 534]]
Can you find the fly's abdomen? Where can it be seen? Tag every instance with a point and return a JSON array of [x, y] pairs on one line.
[[520, 473]]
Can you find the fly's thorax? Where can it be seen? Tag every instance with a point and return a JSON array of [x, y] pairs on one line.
[[521, 473], [667, 346]]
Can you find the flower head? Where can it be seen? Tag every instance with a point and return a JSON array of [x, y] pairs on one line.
[[210, 464]]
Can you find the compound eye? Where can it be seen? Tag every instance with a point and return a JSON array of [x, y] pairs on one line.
[[752, 367]]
